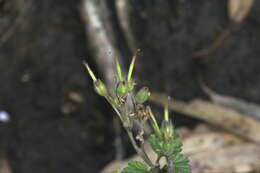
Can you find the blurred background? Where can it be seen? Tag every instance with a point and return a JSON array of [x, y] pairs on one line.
[[52, 121]]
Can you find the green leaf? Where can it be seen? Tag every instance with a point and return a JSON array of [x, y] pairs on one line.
[[181, 163], [172, 147], [165, 148], [136, 167], [156, 144]]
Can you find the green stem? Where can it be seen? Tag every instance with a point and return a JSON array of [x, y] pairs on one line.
[[139, 150], [109, 99], [157, 164], [154, 122], [170, 166], [127, 126]]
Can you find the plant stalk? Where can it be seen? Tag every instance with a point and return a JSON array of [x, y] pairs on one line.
[[170, 166], [139, 150]]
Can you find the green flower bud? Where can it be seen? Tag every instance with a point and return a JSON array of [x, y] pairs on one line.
[[121, 89], [100, 87], [142, 95], [130, 86]]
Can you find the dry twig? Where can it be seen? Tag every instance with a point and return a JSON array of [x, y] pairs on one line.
[[99, 29], [124, 9], [238, 10], [238, 104]]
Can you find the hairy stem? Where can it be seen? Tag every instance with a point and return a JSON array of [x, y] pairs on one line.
[[123, 114], [137, 149], [170, 166], [157, 162]]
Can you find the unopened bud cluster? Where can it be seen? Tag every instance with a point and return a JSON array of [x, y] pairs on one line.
[[128, 105], [123, 87]]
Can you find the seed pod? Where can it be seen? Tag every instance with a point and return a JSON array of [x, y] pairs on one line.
[[167, 130], [131, 68], [153, 122], [121, 89], [100, 87], [118, 70], [130, 86], [142, 95]]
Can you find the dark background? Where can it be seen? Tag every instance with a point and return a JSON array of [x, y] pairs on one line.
[[41, 63]]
